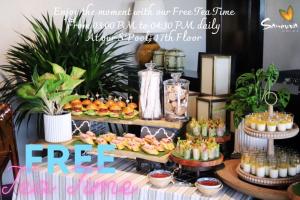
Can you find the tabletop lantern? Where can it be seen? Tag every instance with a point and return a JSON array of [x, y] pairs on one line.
[[211, 107], [215, 74]]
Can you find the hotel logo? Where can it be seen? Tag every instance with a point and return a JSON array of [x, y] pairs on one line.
[[288, 24]]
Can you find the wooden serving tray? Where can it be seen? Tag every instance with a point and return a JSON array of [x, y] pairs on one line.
[[270, 182], [272, 135], [197, 163], [161, 158], [135, 121]]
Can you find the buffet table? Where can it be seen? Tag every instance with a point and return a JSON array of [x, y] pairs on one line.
[[65, 186]]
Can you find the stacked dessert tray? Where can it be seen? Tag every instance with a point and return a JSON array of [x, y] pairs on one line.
[[271, 135]]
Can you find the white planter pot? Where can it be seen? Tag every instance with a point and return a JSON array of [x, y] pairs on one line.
[[58, 128]]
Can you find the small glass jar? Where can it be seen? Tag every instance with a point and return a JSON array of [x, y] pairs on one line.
[[297, 162], [253, 163], [150, 92], [273, 169], [260, 167], [283, 166], [292, 168], [245, 162], [176, 94]]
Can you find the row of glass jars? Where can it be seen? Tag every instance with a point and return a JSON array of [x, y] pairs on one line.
[[282, 164], [176, 93], [263, 122]]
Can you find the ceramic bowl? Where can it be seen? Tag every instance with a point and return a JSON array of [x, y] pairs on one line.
[[208, 190], [160, 178]]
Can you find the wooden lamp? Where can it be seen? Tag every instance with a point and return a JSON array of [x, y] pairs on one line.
[[146, 20]]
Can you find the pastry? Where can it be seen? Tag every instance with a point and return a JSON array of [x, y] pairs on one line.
[[167, 144], [118, 143], [134, 146], [150, 149], [129, 135], [101, 140], [86, 138], [109, 136], [150, 139]]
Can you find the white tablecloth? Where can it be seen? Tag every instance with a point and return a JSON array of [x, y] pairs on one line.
[[125, 171]]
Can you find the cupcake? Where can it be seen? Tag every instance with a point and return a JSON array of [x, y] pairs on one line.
[[261, 126], [271, 126]]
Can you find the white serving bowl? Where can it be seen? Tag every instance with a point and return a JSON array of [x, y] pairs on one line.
[[208, 190], [160, 182]]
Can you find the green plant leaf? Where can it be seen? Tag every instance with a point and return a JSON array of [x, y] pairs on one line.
[[57, 69], [27, 91], [77, 72]]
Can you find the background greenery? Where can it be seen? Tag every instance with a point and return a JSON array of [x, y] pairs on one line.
[[250, 92], [73, 43]]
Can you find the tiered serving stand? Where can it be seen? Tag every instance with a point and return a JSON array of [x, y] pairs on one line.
[[271, 136]]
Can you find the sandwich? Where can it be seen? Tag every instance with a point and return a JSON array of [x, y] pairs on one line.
[[86, 138], [100, 140], [91, 109], [167, 144], [67, 106], [110, 103], [103, 110], [132, 105], [76, 108], [122, 104], [150, 149], [75, 102], [150, 139], [129, 135], [98, 102], [109, 137], [86, 102], [115, 111], [158, 146], [118, 144], [134, 146], [129, 113]]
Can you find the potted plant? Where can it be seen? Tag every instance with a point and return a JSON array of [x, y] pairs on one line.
[[251, 89], [47, 94]]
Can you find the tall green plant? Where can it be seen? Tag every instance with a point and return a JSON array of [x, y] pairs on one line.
[[251, 90], [73, 43]]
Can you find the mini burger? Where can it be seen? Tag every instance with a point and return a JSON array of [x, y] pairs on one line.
[[129, 113], [122, 104], [115, 111], [86, 102], [67, 106], [91, 109], [98, 102], [75, 102], [110, 103], [76, 108], [132, 105], [103, 110]]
